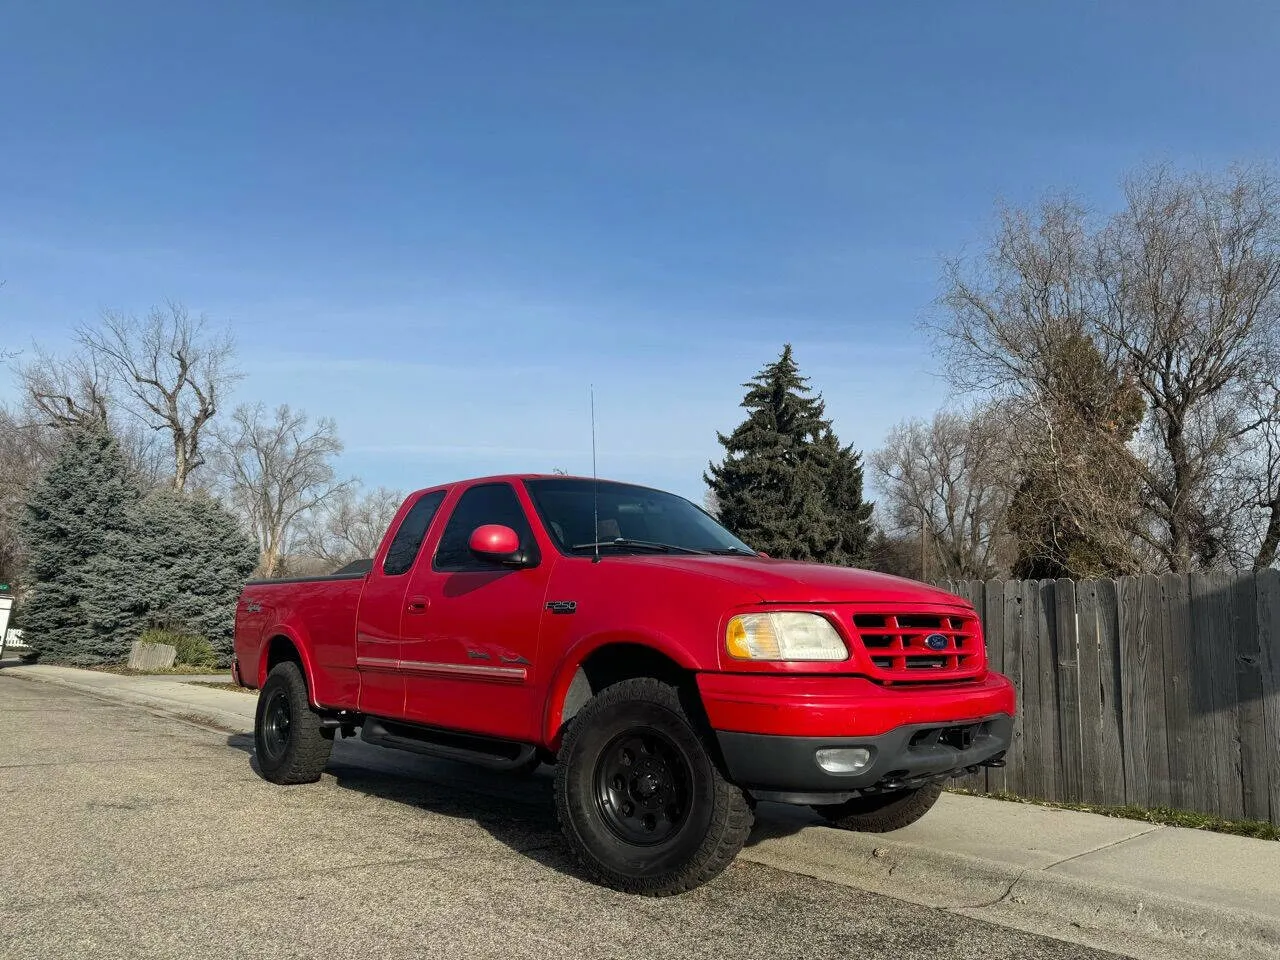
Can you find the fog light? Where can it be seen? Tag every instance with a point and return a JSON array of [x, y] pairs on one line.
[[843, 759]]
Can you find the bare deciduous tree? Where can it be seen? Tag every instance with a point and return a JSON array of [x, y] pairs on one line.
[[1191, 273], [273, 469], [1257, 478], [66, 392], [1179, 293], [172, 372], [349, 525], [26, 449], [949, 481]]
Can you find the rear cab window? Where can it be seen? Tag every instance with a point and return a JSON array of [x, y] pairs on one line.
[[407, 543]]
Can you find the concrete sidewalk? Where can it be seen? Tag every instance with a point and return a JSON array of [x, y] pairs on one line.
[[186, 698], [1133, 888]]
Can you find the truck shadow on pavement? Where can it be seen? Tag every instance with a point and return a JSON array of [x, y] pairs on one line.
[[517, 810]]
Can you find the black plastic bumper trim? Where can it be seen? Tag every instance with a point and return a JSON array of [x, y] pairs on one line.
[[909, 755]]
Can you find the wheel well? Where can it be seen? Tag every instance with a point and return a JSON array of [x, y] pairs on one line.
[[623, 661], [281, 650], [614, 663]]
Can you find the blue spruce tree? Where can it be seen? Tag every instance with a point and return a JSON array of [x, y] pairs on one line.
[[194, 561], [80, 523]]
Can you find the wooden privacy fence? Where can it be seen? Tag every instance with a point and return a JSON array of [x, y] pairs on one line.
[[1153, 691]]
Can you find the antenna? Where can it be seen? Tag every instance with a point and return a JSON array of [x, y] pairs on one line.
[[595, 482]]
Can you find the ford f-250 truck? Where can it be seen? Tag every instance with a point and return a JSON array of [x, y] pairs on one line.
[[673, 675]]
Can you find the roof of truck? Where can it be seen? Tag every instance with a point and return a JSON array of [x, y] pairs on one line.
[[514, 477]]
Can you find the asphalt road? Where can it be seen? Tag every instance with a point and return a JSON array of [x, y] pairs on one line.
[[131, 835]]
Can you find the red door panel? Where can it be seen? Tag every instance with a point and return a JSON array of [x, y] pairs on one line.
[[386, 604], [469, 655]]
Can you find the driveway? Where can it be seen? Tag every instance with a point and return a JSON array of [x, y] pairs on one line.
[[132, 835]]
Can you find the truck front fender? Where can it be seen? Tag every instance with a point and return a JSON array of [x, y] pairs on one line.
[[569, 675]]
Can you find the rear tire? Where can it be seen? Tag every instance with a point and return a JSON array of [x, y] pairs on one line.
[[881, 812], [640, 800], [289, 743]]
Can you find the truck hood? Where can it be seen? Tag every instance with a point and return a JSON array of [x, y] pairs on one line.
[[790, 581]]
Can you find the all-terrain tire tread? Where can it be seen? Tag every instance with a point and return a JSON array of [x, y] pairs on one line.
[[731, 818], [311, 748], [894, 815]]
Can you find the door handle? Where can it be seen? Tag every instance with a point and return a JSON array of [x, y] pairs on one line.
[[419, 605]]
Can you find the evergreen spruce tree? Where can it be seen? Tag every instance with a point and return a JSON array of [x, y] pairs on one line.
[[786, 485], [194, 561], [850, 513], [80, 524]]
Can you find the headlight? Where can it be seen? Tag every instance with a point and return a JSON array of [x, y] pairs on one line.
[[783, 636]]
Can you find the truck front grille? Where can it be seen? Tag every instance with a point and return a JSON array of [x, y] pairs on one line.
[[921, 646]]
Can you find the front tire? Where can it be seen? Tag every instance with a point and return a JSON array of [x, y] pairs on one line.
[[882, 812], [640, 800], [289, 742]]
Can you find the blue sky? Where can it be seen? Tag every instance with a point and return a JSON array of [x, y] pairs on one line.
[[439, 222]]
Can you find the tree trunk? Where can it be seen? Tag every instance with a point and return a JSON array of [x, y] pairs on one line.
[[1270, 540], [180, 468], [1179, 498]]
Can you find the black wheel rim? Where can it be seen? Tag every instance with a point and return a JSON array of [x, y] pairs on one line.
[[643, 787], [276, 721]]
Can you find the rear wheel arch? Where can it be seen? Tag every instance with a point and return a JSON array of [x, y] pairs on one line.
[[282, 648]]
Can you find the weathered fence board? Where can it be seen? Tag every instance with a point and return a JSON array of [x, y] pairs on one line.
[[1185, 789], [1070, 735], [993, 618], [1134, 689], [1093, 787], [1216, 747], [1269, 667], [1112, 757], [1033, 743], [1153, 690], [1253, 754]]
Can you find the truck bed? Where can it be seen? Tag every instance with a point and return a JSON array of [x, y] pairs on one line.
[[318, 614]]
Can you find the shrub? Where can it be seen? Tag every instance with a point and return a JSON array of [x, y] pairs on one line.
[[193, 651]]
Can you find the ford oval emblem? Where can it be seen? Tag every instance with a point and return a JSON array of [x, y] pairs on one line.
[[936, 641]]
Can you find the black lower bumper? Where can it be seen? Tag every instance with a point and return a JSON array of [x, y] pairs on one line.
[[786, 768]]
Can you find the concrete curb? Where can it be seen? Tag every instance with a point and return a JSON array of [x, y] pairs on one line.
[[1134, 922]]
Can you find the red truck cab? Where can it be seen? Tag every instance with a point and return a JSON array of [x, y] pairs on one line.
[[672, 674]]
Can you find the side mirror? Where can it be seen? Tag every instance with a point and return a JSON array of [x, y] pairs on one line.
[[498, 544]]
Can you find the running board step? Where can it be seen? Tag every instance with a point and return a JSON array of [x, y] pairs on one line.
[[471, 748]]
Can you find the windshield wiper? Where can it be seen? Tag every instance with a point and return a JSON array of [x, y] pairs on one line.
[[735, 551], [636, 544]]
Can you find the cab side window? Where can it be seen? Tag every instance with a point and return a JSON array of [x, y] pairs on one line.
[[413, 529], [489, 503]]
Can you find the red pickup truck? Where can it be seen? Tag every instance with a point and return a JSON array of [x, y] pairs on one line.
[[673, 675]]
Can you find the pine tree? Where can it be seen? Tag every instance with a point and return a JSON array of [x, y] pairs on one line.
[[786, 485], [194, 560], [81, 527], [851, 514]]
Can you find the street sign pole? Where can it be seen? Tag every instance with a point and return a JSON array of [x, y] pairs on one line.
[[6, 607]]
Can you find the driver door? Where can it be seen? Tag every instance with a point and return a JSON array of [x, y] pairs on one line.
[[469, 656]]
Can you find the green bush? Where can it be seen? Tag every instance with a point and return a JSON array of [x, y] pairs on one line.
[[193, 651]]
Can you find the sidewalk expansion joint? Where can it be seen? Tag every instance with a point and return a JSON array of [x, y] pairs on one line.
[[1106, 846]]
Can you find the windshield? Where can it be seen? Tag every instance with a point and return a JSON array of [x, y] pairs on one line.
[[642, 518]]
